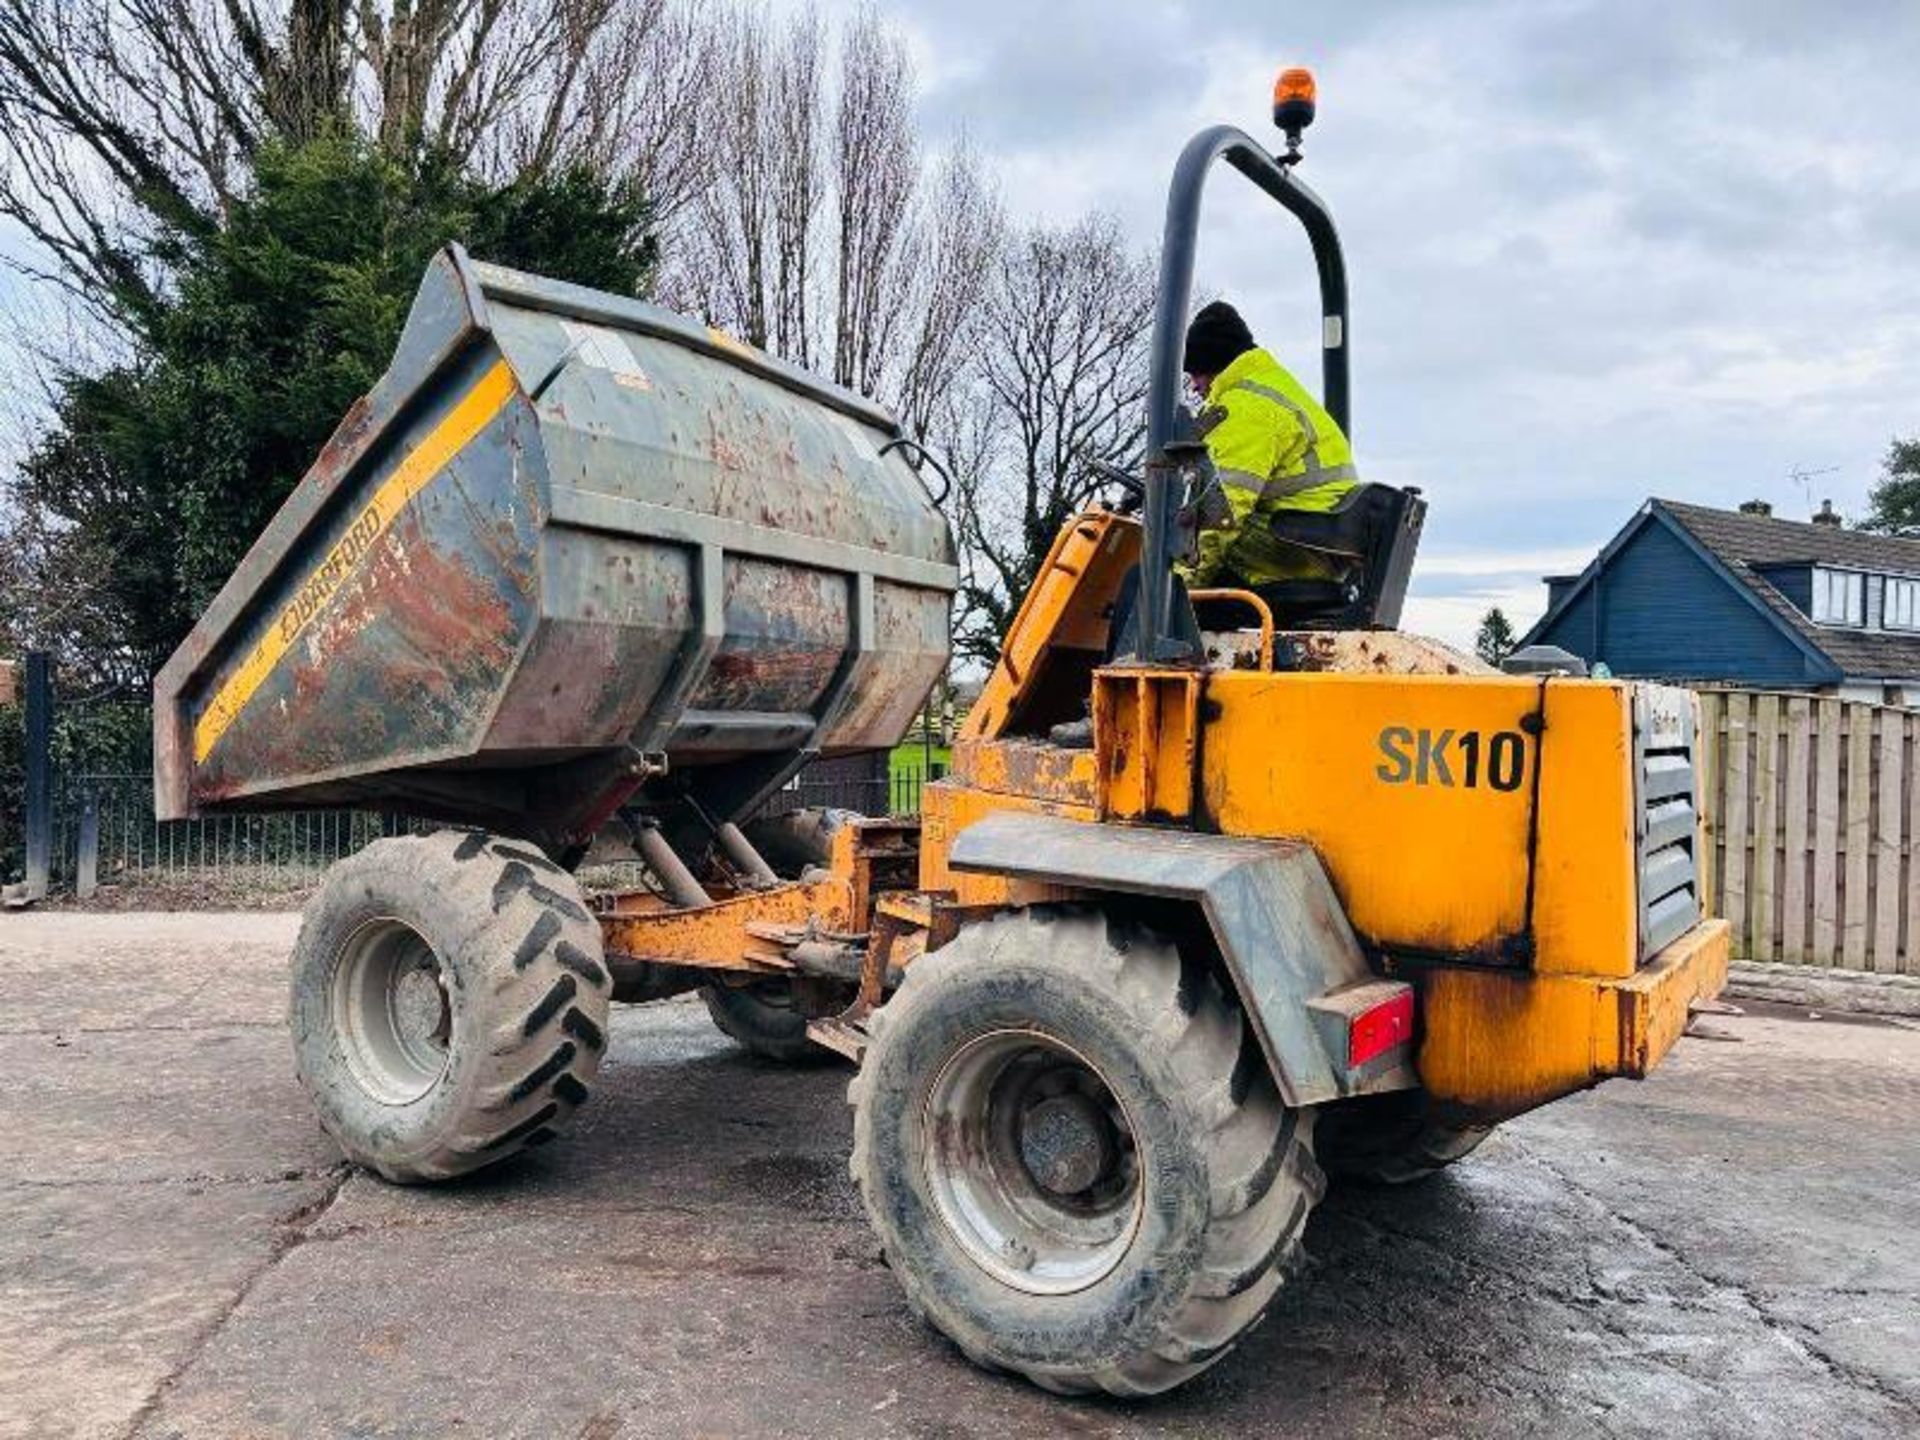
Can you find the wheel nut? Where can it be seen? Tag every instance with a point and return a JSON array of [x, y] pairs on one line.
[[1018, 1253]]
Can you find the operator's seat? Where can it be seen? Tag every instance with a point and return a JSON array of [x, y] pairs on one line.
[[1369, 539]]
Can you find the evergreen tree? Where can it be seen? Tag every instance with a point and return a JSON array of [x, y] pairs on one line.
[[160, 471], [1495, 640], [1893, 506]]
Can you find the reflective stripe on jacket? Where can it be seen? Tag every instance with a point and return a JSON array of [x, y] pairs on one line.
[[1275, 448]]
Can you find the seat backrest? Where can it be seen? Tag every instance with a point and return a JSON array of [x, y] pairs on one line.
[[1344, 530], [1376, 528], [1398, 516]]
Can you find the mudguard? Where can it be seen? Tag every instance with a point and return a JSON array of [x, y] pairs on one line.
[[1280, 929]]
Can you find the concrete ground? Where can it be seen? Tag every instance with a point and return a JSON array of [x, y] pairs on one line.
[[1732, 1248]]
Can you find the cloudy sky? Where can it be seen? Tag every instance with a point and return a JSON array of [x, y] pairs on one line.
[[1599, 251]]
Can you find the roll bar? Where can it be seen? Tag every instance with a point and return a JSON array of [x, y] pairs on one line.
[[1171, 454]]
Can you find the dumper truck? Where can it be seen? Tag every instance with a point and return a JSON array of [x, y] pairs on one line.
[[1320, 898]]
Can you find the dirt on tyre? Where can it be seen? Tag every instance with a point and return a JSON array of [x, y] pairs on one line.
[[449, 1003], [1393, 1140], [769, 1018], [1074, 1155]]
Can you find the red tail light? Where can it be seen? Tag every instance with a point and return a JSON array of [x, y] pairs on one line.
[[1380, 1028]]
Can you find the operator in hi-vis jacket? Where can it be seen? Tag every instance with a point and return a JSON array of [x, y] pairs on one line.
[[1273, 448], [1273, 445]]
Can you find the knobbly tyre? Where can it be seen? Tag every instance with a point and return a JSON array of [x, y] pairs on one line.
[[1317, 899]]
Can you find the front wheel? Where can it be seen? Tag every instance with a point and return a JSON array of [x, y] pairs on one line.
[[1077, 1163], [449, 1003]]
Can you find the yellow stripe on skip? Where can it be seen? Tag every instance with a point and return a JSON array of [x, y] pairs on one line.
[[474, 412]]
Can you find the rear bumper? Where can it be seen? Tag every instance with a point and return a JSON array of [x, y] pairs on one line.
[[1498, 1043], [1653, 1003]]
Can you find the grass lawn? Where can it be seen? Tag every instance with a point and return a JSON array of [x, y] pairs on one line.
[[911, 759]]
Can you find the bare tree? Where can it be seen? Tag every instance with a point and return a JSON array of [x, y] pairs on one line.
[[116, 113], [798, 182], [802, 227], [875, 165], [721, 267], [957, 238], [1060, 384], [649, 82]]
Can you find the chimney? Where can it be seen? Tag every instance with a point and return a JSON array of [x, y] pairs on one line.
[[1755, 507], [1828, 516]]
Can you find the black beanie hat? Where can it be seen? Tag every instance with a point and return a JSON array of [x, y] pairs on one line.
[[1216, 338]]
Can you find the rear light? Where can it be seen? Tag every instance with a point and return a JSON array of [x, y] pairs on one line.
[[1379, 1028]]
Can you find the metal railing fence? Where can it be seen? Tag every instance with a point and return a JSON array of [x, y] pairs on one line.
[[105, 833]]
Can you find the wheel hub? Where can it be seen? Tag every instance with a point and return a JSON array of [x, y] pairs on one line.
[[1067, 1143], [1030, 1162], [391, 1006], [420, 1009]]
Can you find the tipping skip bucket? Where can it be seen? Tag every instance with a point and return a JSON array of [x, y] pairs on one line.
[[565, 535]]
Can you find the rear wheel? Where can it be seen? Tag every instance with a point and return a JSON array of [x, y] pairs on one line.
[[769, 1018], [1393, 1140], [449, 1003], [1076, 1162]]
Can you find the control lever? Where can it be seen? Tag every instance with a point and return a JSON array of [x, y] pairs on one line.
[[1206, 506]]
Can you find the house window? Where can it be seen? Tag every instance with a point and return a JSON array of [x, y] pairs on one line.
[[1902, 610], [1839, 597]]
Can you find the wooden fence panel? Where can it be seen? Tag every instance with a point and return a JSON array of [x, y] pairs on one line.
[[1910, 890], [1763, 930], [1859, 835], [1733, 897], [1797, 843], [1713, 724], [1826, 834], [1811, 814], [1891, 763]]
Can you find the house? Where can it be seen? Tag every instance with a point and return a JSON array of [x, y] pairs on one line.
[[1705, 596]]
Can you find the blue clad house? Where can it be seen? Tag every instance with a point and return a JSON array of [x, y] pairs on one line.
[[1706, 596]]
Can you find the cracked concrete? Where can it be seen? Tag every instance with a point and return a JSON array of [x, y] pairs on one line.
[[1724, 1250]]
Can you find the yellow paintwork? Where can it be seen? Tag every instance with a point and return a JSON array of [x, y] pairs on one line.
[[1060, 630], [947, 808], [1435, 868], [1584, 916], [1431, 867], [1026, 767], [1497, 1043], [1497, 875], [1149, 725], [751, 930], [1511, 905], [471, 414], [722, 936]]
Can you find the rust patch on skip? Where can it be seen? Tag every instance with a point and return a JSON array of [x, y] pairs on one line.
[[727, 454]]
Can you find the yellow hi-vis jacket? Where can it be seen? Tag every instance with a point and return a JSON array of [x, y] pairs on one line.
[[1275, 448]]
